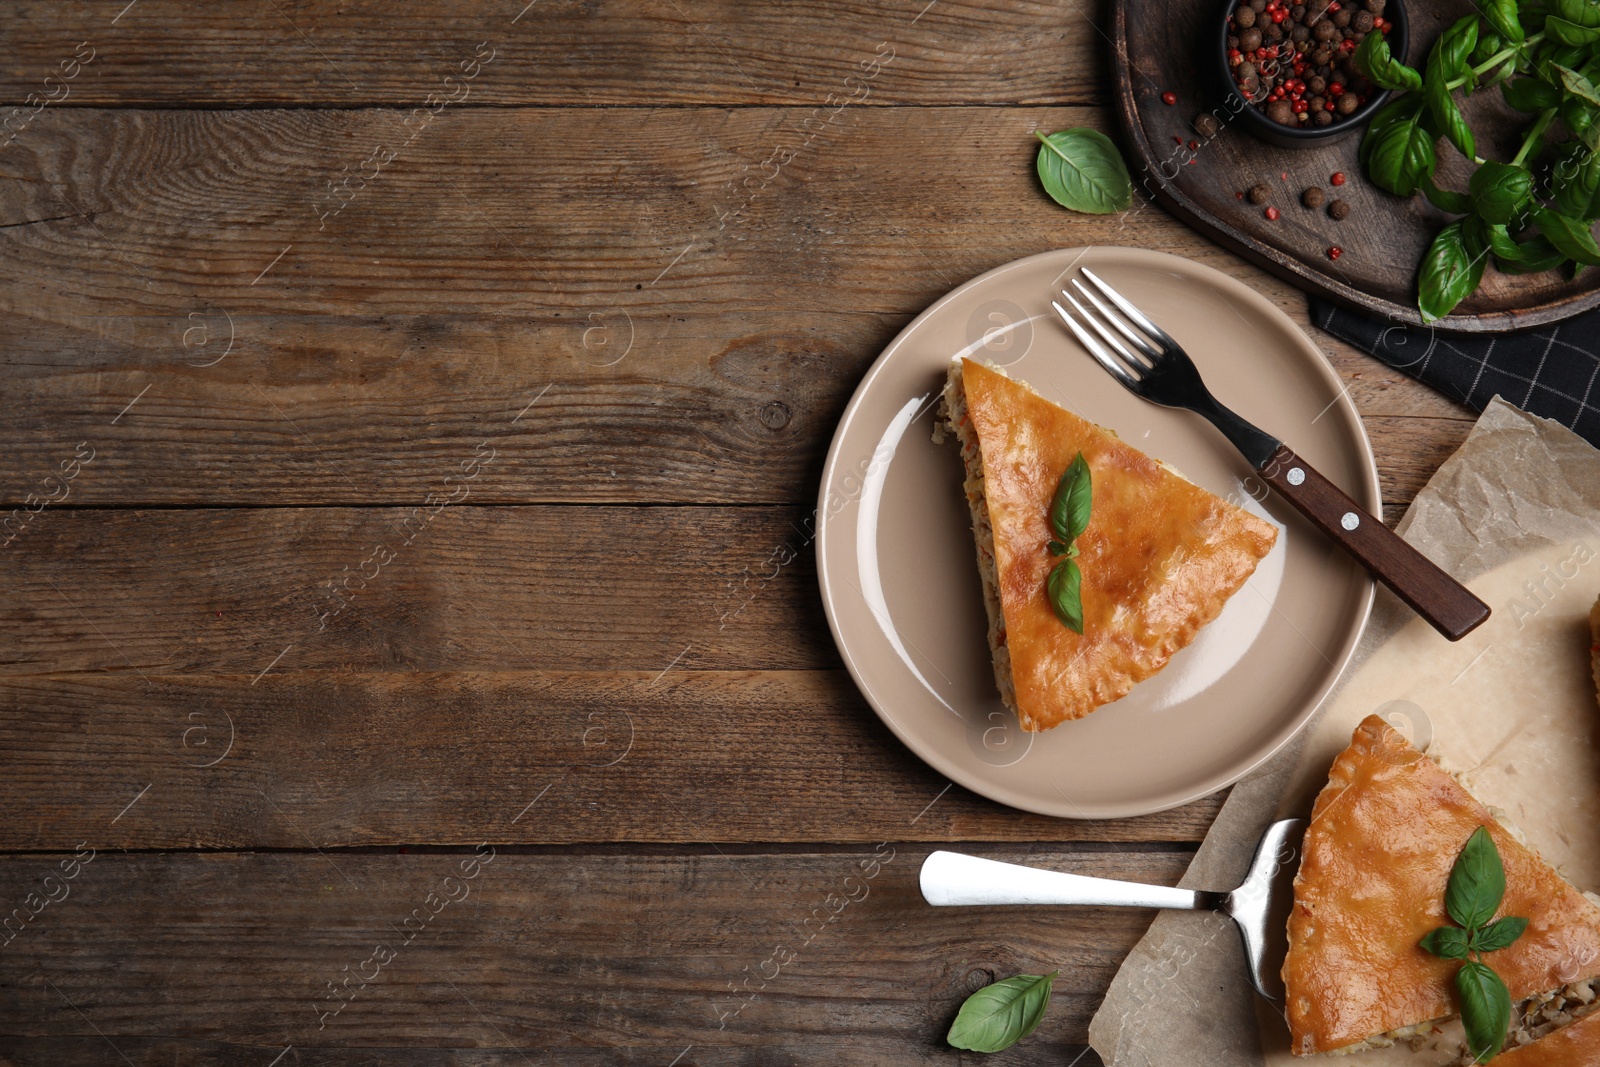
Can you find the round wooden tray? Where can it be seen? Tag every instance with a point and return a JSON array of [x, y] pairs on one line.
[[1384, 236]]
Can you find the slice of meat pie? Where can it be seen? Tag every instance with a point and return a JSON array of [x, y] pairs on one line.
[[1158, 559], [1383, 838]]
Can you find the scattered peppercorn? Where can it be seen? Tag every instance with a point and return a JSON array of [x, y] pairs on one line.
[[1272, 214], [1339, 209], [1259, 193], [1194, 145], [1205, 124], [1335, 252], [1337, 179], [1169, 98], [1312, 197]]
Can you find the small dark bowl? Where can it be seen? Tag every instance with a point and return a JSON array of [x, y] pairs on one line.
[[1255, 120]]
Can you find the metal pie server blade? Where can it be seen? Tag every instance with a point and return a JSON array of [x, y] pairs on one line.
[[1259, 906]]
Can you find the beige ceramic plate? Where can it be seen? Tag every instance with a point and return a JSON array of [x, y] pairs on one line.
[[900, 585]]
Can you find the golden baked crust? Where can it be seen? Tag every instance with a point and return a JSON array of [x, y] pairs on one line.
[[1383, 837], [1160, 557], [1594, 646], [1574, 1045]]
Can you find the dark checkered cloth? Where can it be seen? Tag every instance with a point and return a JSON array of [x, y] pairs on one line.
[[1549, 370]]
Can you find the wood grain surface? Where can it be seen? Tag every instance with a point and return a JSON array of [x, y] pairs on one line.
[[1165, 47], [384, 474]]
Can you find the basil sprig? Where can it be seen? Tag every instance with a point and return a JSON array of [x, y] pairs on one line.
[[1069, 517], [1002, 1013], [1530, 213], [1477, 886]]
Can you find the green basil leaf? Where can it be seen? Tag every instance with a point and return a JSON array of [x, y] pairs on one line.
[[1083, 171], [1499, 934], [1447, 942], [1448, 275], [1530, 94], [1575, 183], [1002, 1013], [1069, 509], [1057, 548], [1570, 236], [1448, 117], [1374, 59], [1576, 83], [1477, 881], [1446, 199], [1570, 33], [1065, 586], [1502, 15], [1581, 12], [1456, 43], [1401, 110], [1485, 1009], [1499, 190], [1488, 43], [1501, 243], [1537, 256], [1402, 154]]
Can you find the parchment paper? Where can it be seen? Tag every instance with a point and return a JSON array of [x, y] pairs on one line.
[[1515, 513]]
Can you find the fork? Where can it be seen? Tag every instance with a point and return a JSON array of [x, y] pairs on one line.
[[1157, 369]]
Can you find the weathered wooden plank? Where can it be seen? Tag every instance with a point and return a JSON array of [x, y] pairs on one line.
[[532, 951], [722, 52], [324, 759], [432, 587], [531, 211], [697, 409], [165, 1052]]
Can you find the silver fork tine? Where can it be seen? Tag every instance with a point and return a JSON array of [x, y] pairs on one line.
[[1138, 317], [1135, 365], [1096, 349], [1139, 341]]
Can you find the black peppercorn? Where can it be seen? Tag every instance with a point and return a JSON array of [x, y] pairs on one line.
[[1280, 111], [1299, 33], [1322, 118], [1374, 6], [1341, 18], [1347, 104], [1244, 18], [1259, 193], [1324, 31], [1250, 39], [1362, 22], [1312, 197], [1205, 124], [1339, 209]]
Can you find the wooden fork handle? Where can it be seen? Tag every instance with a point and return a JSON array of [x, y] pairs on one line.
[[1450, 607]]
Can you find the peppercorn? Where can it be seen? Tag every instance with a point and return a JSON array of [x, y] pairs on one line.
[[1339, 209], [1374, 6], [1312, 198], [1362, 22], [1282, 112], [1337, 179], [1341, 18], [1347, 104], [1245, 17], [1258, 5], [1206, 125], [1169, 98], [1259, 193], [1317, 84], [1323, 117], [1272, 214], [1335, 252]]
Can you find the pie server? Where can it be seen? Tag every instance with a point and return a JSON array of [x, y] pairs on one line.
[[1259, 906]]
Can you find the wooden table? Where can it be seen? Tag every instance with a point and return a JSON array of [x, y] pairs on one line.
[[410, 408]]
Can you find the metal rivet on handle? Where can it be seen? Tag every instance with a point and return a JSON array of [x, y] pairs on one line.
[[1350, 520], [1296, 475]]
